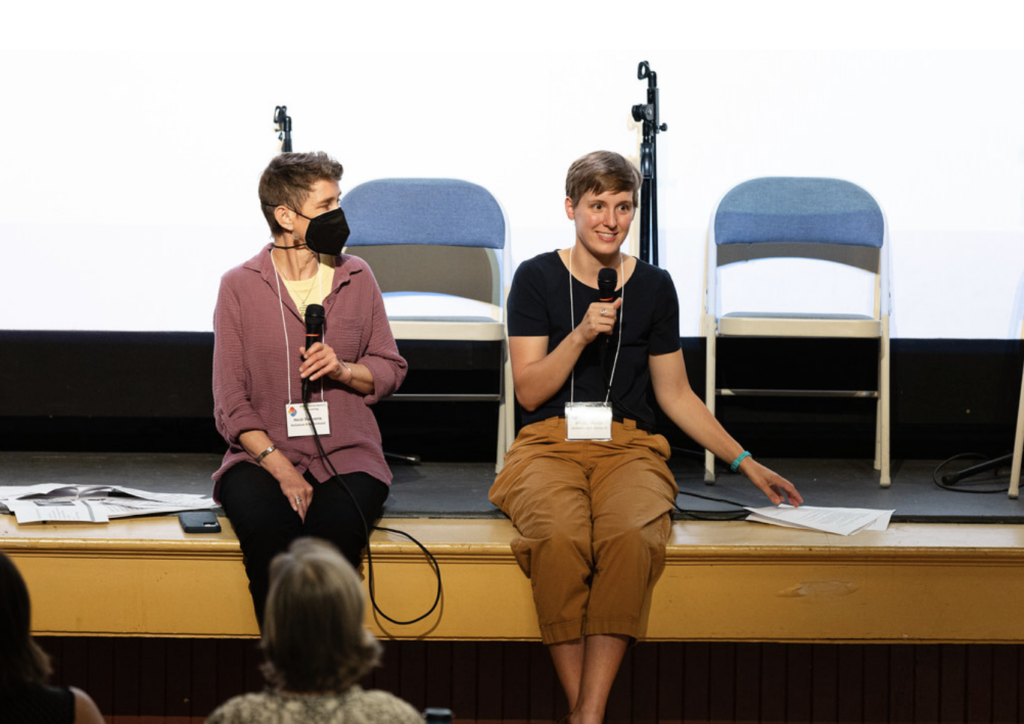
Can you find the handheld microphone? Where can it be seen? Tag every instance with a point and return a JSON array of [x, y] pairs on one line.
[[314, 334], [606, 281]]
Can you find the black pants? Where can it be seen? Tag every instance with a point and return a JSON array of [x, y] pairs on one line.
[[266, 525]]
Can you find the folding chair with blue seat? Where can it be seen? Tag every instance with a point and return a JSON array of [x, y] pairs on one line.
[[812, 218], [438, 249]]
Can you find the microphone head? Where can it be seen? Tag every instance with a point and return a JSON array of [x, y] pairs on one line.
[[606, 281], [314, 315]]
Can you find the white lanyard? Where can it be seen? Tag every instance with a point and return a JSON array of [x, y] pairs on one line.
[[572, 325], [284, 324]]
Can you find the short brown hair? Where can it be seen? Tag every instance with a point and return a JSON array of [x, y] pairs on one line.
[[599, 172], [313, 635], [289, 178], [21, 659]]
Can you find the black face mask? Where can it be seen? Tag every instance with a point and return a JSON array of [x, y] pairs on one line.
[[328, 232]]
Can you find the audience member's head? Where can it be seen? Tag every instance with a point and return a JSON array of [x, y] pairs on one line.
[[21, 660], [313, 635]]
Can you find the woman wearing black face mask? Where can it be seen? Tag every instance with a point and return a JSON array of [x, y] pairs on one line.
[[274, 484]]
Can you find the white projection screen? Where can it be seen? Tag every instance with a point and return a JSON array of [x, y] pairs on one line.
[[136, 133]]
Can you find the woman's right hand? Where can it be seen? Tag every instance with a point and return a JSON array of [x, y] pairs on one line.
[[298, 491], [538, 373], [293, 486], [599, 319]]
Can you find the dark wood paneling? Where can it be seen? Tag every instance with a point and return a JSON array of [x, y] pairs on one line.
[[413, 680], [722, 683], [205, 667], [439, 673], [128, 672], [464, 689], [644, 693], [901, 697], [152, 683], [876, 684], [489, 675], [515, 688], [230, 669], [773, 681], [670, 676], [173, 681], [927, 674], [1005, 680], [799, 690], [179, 678], [747, 672], [979, 683], [546, 700], [850, 684], [825, 684], [696, 682], [102, 673]]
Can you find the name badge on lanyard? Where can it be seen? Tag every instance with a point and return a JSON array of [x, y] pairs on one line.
[[298, 422], [588, 421]]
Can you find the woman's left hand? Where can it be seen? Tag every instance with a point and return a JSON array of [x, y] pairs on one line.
[[320, 361], [776, 487]]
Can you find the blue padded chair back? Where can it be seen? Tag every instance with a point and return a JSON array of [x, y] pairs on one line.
[[431, 211], [811, 210]]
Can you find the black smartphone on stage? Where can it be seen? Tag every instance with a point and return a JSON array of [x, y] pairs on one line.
[[199, 521]]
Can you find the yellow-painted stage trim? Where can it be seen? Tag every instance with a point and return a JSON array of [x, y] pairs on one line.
[[723, 582]]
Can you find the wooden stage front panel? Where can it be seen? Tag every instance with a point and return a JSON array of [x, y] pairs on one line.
[[723, 582]]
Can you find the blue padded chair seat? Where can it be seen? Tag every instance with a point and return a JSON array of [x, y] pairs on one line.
[[480, 329], [815, 210], [448, 212], [767, 324], [450, 318]]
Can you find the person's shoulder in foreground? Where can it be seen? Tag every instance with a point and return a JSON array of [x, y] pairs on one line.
[[355, 705]]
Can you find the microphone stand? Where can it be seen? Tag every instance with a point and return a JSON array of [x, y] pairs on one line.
[[650, 115], [284, 128]]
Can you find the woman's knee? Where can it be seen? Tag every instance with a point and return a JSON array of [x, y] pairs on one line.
[[560, 548], [648, 540]]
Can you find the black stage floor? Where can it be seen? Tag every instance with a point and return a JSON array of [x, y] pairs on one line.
[[459, 490]]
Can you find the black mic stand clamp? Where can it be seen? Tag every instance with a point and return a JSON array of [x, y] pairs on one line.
[[650, 115], [284, 128]]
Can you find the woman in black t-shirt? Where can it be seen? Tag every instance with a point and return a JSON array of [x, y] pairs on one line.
[[585, 483]]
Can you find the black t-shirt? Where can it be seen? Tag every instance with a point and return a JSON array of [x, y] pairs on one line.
[[43, 704], [538, 306]]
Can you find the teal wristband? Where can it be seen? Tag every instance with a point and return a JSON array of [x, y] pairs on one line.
[[736, 463]]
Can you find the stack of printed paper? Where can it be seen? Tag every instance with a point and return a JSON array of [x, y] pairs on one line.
[[93, 504], [842, 521]]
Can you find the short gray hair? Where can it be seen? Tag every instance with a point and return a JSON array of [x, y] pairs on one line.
[[313, 634]]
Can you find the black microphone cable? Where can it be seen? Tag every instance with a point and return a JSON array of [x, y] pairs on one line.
[[366, 529]]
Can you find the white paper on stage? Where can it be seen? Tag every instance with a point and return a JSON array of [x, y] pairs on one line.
[[841, 521], [53, 511], [51, 502]]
